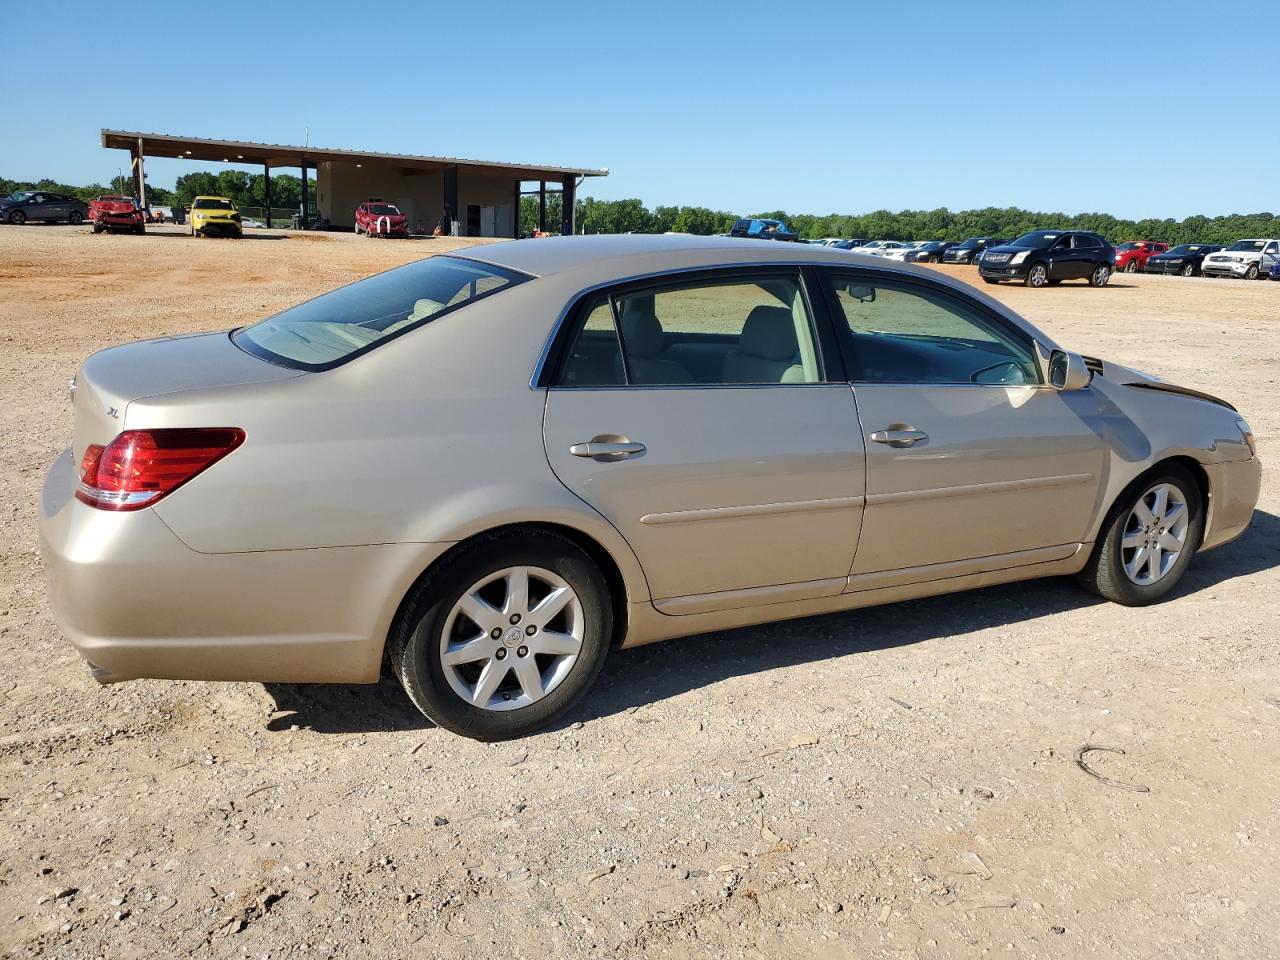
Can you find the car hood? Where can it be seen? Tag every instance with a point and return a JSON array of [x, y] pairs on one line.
[[113, 378], [1010, 248], [114, 206], [1129, 377], [1245, 255]]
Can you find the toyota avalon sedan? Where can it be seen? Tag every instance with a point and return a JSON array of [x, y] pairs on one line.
[[490, 469]]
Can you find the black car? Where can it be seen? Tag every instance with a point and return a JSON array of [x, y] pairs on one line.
[[932, 252], [850, 244], [970, 250], [760, 228], [1047, 257], [1184, 259], [31, 205]]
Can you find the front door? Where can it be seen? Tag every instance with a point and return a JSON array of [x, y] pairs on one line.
[[969, 454], [696, 417], [1064, 261]]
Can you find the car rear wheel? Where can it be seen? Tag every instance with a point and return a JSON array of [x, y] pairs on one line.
[[505, 636], [1037, 275], [76, 218], [1189, 270], [1147, 540], [17, 218], [1252, 272], [1101, 274]]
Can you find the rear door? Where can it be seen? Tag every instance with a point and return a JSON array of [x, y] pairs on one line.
[[970, 457], [697, 416]]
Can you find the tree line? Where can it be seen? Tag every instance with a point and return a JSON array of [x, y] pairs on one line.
[[632, 216]]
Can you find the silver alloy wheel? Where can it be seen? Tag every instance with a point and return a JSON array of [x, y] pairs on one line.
[[1155, 534], [1189, 270], [1131, 266], [1038, 276], [1101, 276], [512, 638]]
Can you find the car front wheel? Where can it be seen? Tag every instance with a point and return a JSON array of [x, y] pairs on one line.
[[1131, 266], [1252, 272], [505, 636], [1189, 270], [1148, 539], [17, 218], [1037, 275]]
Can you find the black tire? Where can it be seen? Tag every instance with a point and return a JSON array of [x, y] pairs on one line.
[[933, 258], [1104, 574], [17, 218], [990, 280], [1131, 266], [414, 647], [1189, 270], [140, 229], [1054, 283], [1252, 272], [97, 227], [76, 218], [1037, 276], [1100, 276]]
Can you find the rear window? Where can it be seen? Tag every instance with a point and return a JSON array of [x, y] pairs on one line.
[[337, 326]]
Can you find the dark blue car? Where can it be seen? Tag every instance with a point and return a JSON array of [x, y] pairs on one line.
[[1274, 274]]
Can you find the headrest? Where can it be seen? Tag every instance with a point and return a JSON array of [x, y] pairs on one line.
[[770, 333], [641, 330]]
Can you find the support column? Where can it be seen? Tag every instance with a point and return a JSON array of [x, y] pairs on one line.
[[451, 194], [306, 204], [515, 225], [139, 176], [567, 201], [542, 206], [266, 176]]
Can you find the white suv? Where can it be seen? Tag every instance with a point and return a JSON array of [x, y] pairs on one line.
[[1250, 259]]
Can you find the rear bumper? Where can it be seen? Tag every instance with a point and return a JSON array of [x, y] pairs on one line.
[[135, 601]]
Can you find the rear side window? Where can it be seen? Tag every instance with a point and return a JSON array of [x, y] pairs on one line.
[[903, 333], [337, 326], [744, 330]]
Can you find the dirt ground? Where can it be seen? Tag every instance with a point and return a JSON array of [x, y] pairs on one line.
[[895, 782]]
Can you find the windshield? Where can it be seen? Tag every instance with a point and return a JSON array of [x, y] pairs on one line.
[[973, 242], [1131, 245], [383, 210], [1248, 246], [207, 204], [1188, 248], [337, 326], [1036, 239]]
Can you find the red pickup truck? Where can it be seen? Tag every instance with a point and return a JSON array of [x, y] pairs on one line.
[[111, 211], [1132, 256]]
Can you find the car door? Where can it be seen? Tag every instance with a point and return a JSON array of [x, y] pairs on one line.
[[1270, 255], [1063, 260], [696, 415], [37, 207], [972, 460]]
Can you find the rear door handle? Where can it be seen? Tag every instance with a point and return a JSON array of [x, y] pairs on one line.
[[607, 450], [899, 435]]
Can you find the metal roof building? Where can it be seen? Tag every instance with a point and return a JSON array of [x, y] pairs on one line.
[[482, 196]]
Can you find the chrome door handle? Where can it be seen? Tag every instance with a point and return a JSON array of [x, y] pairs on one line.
[[899, 435], [607, 449]]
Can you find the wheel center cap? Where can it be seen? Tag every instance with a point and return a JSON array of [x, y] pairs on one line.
[[512, 637]]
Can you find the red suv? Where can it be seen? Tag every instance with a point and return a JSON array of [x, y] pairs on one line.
[[1132, 256], [377, 218]]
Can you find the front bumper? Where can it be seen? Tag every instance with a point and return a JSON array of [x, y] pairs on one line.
[[950, 258], [1003, 271], [1234, 487], [1228, 268], [219, 228], [1164, 266], [135, 601]]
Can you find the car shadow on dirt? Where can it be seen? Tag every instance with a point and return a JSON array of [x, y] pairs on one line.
[[645, 675]]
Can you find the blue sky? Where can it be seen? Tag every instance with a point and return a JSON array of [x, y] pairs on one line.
[[1134, 108]]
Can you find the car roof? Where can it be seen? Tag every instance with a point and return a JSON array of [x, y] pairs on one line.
[[211, 196]]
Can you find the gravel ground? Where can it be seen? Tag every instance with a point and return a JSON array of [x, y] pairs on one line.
[[895, 782]]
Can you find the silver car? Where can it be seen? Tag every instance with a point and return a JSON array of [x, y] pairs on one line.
[[489, 469]]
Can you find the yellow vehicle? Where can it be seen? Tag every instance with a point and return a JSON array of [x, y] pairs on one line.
[[213, 217]]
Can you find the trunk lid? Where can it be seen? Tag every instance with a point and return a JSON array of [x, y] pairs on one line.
[[113, 378]]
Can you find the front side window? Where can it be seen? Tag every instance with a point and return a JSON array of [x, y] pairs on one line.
[[337, 326], [902, 333], [740, 330]]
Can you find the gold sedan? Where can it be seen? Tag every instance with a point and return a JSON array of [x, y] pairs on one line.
[[490, 469]]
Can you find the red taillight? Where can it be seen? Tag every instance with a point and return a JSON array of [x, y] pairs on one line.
[[139, 467]]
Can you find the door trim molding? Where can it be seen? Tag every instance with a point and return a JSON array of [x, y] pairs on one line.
[[978, 489], [751, 510]]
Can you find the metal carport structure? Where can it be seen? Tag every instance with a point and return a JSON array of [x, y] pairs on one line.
[[453, 175]]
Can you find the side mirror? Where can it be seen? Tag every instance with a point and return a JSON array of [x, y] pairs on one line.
[[1067, 371], [861, 292]]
